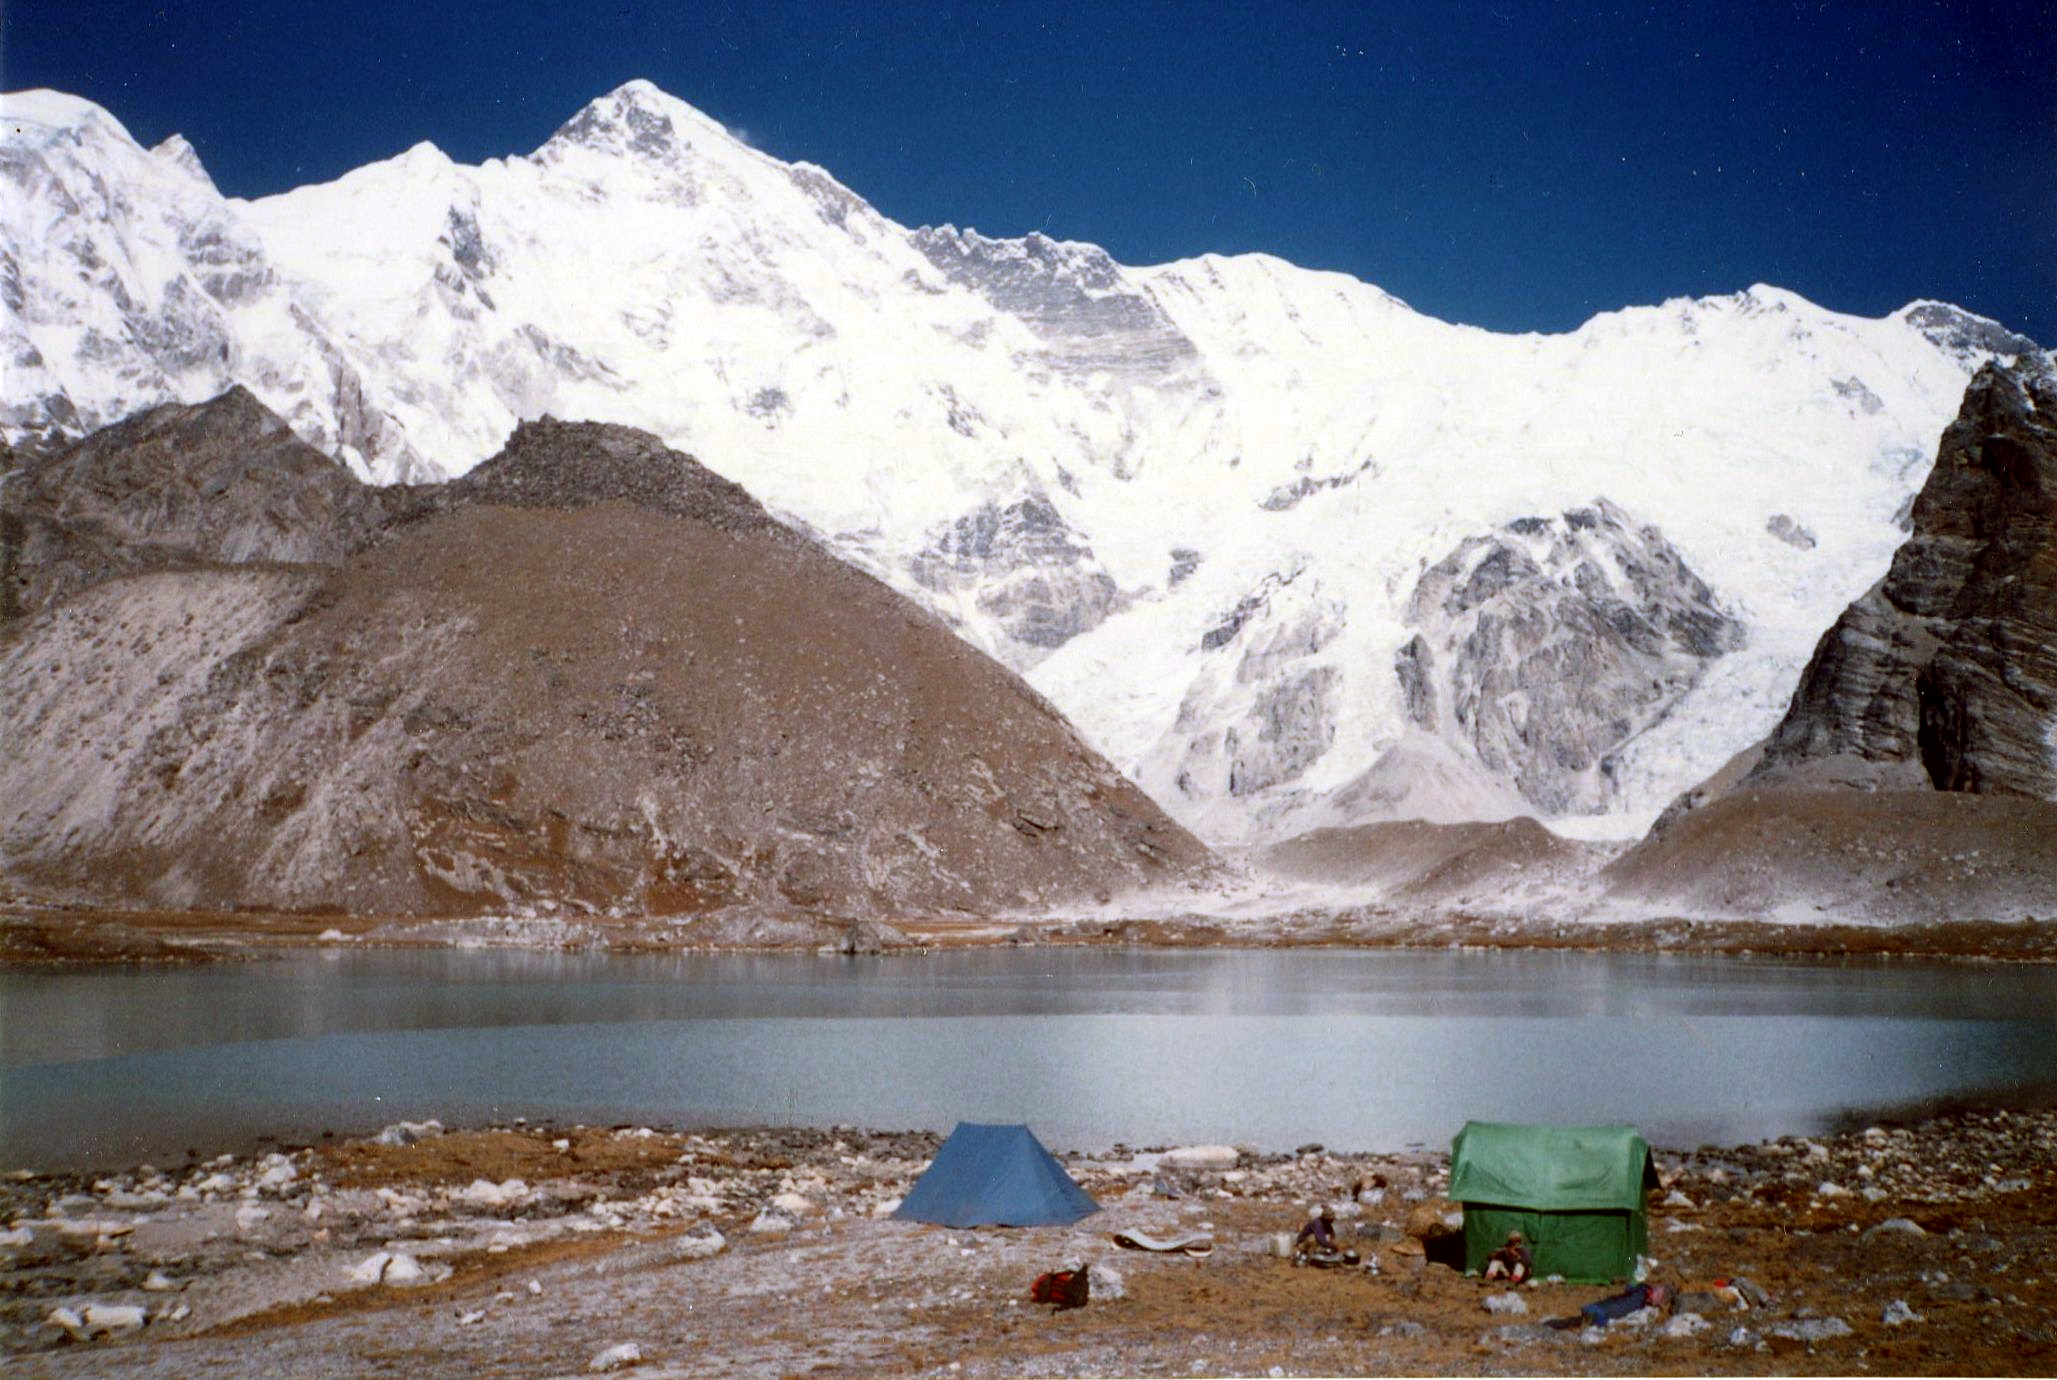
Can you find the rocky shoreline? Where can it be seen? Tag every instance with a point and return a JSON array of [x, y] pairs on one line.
[[43, 936], [535, 1249]]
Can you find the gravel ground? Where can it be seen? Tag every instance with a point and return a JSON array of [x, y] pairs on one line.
[[533, 1250]]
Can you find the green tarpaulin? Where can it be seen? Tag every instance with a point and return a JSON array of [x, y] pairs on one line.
[[1575, 1193]]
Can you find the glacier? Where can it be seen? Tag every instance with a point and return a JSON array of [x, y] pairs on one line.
[[1194, 502]]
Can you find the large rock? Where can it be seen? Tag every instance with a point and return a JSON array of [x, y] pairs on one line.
[[1914, 776], [590, 675], [1945, 674]]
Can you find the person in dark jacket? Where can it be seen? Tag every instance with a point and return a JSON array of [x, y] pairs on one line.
[[1317, 1245], [1511, 1262]]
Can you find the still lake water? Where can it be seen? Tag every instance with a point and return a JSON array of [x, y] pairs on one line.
[[1360, 1050]]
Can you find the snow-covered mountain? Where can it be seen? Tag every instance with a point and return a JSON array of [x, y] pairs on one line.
[[1286, 549]]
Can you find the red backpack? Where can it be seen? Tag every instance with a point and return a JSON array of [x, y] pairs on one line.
[[1065, 1288]]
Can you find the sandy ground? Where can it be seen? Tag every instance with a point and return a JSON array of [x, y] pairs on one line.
[[533, 1250]]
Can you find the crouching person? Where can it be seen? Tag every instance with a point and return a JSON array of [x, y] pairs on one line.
[[1317, 1245], [1511, 1262]]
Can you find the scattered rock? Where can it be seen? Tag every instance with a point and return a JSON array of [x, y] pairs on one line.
[[617, 1356], [1686, 1325], [1505, 1303], [772, 1222], [97, 1320], [408, 1132], [1750, 1291], [700, 1243], [389, 1268], [1810, 1330], [481, 1193], [1898, 1314], [1202, 1157], [1894, 1226]]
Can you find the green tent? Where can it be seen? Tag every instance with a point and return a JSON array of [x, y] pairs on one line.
[[1576, 1193]]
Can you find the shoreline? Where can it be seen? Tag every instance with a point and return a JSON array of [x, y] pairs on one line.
[[767, 1251], [33, 937]]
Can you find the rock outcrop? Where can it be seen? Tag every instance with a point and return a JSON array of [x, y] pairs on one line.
[[590, 676], [219, 483], [1546, 646], [1945, 674], [1914, 775]]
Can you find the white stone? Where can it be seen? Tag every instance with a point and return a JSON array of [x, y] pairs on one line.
[[403, 1270], [700, 1243], [483, 1193], [99, 1320], [795, 1205], [19, 1236], [275, 1172], [772, 1222], [408, 1132], [1895, 1226], [535, 1287], [1686, 1325], [885, 1207], [1898, 1314], [1202, 1157], [159, 1282], [1505, 1304], [1676, 1199], [1827, 1189], [1107, 1283], [615, 1357]]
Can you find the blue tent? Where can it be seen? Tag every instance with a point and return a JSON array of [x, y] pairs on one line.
[[999, 1175]]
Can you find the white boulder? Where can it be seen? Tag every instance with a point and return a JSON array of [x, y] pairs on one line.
[[617, 1356]]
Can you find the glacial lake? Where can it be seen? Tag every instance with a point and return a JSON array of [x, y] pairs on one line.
[[1267, 1049]]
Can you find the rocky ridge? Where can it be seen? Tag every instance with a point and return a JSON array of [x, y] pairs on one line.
[[1945, 674], [589, 677], [1915, 771]]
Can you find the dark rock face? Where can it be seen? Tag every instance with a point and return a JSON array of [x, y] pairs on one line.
[[1958, 330], [1550, 644], [223, 482], [592, 676], [1072, 295], [1945, 674]]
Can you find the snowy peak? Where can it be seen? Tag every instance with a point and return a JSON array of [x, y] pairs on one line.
[[40, 114], [176, 152], [1195, 499], [639, 120]]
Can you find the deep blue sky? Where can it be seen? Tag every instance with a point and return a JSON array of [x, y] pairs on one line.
[[1510, 163]]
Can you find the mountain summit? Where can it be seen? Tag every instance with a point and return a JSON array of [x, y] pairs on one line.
[[1194, 502]]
